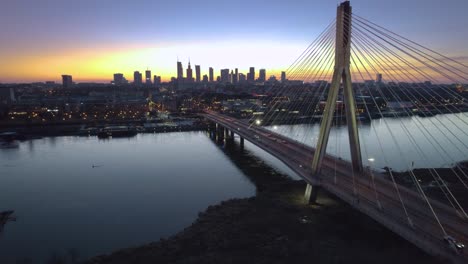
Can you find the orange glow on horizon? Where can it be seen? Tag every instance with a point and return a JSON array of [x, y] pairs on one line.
[[99, 64]]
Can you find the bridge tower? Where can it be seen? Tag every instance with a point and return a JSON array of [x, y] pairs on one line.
[[341, 77]]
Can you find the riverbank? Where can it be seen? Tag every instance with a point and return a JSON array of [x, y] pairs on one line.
[[276, 227]]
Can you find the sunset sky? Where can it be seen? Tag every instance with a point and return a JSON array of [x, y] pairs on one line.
[[92, 39]]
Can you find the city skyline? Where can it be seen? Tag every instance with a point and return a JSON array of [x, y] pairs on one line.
[[92, 45]]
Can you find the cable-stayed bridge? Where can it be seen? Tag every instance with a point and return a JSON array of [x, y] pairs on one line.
[[339, 66]]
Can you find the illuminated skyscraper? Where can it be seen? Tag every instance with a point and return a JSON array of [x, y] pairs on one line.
[[148, 77], [67, 81], [137, 78], [211, 74], [197, 73], [180, 71]]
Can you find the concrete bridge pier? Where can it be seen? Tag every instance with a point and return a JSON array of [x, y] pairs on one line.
[[311, 193], [232, 135], [242, 142]]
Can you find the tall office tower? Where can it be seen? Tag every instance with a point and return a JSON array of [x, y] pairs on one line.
[[262, 75], [225, 75], [211, 74], [197, 73], [189, 73], [242, 77], [235, 78], [67, 81], [205, 78], [251, 75], [157, 80], [118, 79], [137, 78], [378, 78], [148, 77], [180, 71], [283, 77]]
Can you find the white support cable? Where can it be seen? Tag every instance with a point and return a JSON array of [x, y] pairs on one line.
[[409, 134], [422, 125]]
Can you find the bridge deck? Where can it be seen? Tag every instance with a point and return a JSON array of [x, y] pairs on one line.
[[363, 193]]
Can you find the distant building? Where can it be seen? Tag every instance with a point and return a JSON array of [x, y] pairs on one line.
[[225, 76], [283, 77], [148, 77], [251, 75], [378, 78], [157, 80], [119, 79], [242, 77], [262, 75], [180, 71], [231, 77], [189, 73], [211, 73], [197, 73], [137, 78], [235, 77], [205, 78], [67, 81]]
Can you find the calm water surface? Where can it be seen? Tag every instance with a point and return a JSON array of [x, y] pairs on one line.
[[139, 190], [100, 195]]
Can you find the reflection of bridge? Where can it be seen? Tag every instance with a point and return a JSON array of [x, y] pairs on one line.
[[432, 225]]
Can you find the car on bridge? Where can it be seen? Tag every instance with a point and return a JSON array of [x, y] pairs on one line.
[[454, 244]]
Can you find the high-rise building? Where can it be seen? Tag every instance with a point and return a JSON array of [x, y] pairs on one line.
[[197, 73], [211, 74], [205, 78], [242, 77], [231, 77], [251, 75], [157, 80], [189, 73], [148, 77], [137, 78], [283, 76], [378, 78], [180, 71], [262, 75], [225, 75], [67, 81], [119, 79], [235, 77]]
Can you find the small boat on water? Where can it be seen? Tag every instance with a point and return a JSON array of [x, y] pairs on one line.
[[117, 131]]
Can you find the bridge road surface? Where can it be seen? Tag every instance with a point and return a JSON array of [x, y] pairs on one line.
[[363, 193]]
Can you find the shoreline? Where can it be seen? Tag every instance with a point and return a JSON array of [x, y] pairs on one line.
[[276, 227]]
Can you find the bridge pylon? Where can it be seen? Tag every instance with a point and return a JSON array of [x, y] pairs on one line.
[[341, 77]]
